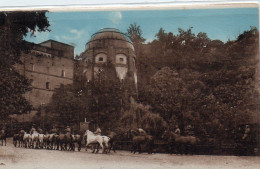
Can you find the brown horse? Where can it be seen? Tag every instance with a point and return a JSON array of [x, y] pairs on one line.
[[15, 139], [21, 134], [63, 140], [138, 140], [76, 139], [112, 136], [182, 143], [3, 137]]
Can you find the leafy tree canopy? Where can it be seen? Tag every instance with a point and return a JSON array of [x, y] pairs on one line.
[[14, 26]]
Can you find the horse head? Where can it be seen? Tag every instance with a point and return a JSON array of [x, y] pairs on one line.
[[166, 134], [133, 132], [149, 137], [197, 139]]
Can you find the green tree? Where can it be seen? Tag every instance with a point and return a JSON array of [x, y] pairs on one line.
[[14, 26], [167, 92], [135, 33], [106, 97], [141, 116], [69, 106]]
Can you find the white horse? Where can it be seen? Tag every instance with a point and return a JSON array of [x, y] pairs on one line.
[[27, 139], [46, 141], [92, 138], [35, 139], [41, 136]]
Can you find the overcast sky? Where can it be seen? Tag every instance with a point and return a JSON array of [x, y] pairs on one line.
[[76, 28]]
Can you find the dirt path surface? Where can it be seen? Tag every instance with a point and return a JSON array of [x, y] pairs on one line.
[[16, 158]]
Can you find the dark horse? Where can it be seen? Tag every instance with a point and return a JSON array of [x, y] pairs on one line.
[[63, 140], [16, 139], [138, 140], [3, 136], [76, 139], [112, 136], [180, 143]]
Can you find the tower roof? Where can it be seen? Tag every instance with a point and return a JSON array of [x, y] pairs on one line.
[[109, 33]]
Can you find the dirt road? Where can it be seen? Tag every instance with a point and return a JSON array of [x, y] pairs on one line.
[[16, 158]]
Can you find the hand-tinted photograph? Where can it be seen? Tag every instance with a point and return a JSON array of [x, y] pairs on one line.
[[154, 88]]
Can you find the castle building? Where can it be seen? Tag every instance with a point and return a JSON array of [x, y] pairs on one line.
[[48, 65], [109, 46], [109, 56]]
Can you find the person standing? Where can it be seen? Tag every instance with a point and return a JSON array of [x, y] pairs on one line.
[[32, 129], [246, 133], [189, 130], [68, 130], [40, 131], [98, 131], [54, 130], [141, 131], [177, 130]]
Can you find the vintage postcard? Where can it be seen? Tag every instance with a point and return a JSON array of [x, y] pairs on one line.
[[129, 88]]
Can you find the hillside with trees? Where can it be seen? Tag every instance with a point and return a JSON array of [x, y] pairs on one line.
[[184, 79], [193, 80]]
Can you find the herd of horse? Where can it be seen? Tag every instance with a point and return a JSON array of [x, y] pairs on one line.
[[63, 141], [69, 142]]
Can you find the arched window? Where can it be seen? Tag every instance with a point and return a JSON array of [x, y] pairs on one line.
[[134, 61], [101, 58], [121, 59]]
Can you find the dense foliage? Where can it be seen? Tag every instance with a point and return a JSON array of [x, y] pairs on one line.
[[14, 26], [183, 79], [193, 80]]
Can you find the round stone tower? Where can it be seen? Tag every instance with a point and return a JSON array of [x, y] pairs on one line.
[[110, 47]]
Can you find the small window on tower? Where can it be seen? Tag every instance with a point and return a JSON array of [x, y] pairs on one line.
[[62, 73], [121, 59], [32, 66], [100, 59], [47, 85]]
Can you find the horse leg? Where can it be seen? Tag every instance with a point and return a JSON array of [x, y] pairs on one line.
[[134, 148], [36, 144], [113, 146], [101, 145], [71, 148], [87, 146], [65, 146], [58, 146], [95, 147], [139, 148], [79, 145], [106, 147], [110, 147]]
